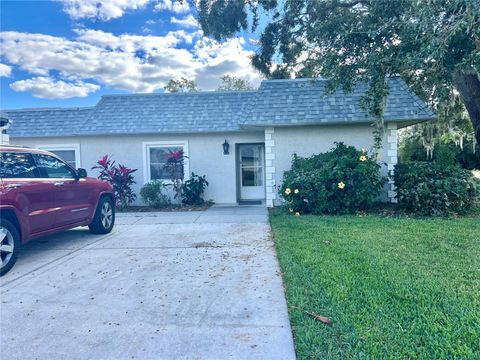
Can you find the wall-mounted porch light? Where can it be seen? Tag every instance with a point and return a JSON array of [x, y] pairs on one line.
[[226, 145]]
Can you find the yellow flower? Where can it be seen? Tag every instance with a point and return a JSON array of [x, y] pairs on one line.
[[296, 191], [363, 158], [288, 191], [297, 214], [341, 185]]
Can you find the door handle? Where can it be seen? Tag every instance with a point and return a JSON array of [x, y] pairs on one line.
[[58, 184], [13, 186]]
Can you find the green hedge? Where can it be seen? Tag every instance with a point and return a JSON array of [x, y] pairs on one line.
[[342, 180], [430, 188]]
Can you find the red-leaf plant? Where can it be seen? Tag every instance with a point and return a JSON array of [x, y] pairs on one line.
[[121, 179], [175, 161]]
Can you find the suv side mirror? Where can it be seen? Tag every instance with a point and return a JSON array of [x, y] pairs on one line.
[[81, 173]]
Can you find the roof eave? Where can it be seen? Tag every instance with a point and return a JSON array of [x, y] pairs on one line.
[[337, 122], [219, 131]]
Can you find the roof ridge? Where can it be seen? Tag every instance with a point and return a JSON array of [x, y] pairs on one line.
[[50, 109], [253, 102], [295, 79], [207, 92]]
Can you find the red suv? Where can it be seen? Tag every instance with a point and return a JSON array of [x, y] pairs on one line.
[[40, 194]]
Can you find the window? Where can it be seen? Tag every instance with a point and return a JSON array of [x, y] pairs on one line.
[[156, 155], [251, 162], [51, 167], [68, 153], [17, 165]]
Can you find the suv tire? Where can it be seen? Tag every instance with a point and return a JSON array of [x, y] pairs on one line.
[[9, 245], [104, 218]]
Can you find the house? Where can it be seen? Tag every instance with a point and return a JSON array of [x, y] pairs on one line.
[[262, 130]]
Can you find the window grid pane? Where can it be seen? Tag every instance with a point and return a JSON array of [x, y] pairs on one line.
[[158, 156]]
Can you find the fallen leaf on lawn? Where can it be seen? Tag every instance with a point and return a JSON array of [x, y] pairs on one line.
[[320, 318]]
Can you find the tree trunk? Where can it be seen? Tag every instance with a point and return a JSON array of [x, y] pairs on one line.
[[468, 85]]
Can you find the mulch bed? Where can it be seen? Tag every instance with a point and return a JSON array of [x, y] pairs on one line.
[[168, 208]]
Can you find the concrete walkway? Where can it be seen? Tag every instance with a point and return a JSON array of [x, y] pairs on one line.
[[192, 285]]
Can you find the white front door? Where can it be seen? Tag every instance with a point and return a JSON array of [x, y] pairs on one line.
[[252, 171]]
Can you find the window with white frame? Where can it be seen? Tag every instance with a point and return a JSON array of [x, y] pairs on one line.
[[69, 153], [156, 156]]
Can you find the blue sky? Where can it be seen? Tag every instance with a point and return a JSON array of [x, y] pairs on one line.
[[71, 52]]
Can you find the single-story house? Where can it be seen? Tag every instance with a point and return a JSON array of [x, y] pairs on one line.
[[263, 129]]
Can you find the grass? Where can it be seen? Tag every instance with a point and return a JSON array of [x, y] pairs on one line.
[[394, 288]]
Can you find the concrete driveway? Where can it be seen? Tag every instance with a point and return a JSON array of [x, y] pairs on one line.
[[192, 285]]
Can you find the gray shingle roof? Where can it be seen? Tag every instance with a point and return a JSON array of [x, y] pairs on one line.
[[303, 101], [173, 113], [276, 102], [48, 121]]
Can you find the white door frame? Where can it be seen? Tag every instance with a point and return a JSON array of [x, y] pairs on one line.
[[255, 194]]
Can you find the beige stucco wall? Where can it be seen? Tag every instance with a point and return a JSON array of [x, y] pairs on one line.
[[204, 151], [308, 140], [206, 154]]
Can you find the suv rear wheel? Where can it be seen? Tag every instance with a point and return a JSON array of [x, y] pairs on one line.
[[9, 245], [104, 216]]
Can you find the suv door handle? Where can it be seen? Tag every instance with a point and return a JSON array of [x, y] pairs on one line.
[[58, 184], [13, 186]]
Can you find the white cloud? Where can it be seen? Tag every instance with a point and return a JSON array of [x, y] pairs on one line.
[[227, 58], [176, 6], [101, 9], [48, 88], [187, 22], [5, 70], [136, 63]]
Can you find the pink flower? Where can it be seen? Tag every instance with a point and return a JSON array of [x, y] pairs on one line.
[[104, 161], [124, 171], [175, 155]]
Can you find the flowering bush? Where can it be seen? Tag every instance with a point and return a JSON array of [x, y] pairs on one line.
[[121, 179], [342, 180], [431, 188]]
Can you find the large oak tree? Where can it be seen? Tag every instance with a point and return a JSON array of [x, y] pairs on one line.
[[433, 44]]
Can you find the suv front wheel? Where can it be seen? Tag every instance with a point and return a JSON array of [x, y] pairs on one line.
[[9, 245], [104, 218]]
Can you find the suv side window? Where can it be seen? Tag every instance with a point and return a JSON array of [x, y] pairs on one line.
[[51, 167], [17, 165]]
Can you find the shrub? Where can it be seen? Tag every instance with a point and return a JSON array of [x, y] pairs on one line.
[[121, 179], [430, 188], [342, 180], [193, 189], [152, 194]]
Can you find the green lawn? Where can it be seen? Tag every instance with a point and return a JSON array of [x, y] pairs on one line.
[[393, 288]]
